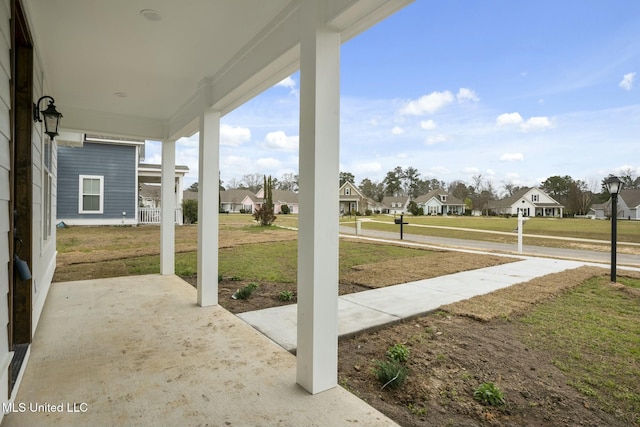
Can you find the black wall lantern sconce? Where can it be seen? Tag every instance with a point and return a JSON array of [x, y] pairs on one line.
[[51, 117]]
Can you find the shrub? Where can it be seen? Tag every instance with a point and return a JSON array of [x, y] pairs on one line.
[[412, 207], [284, 210], [368, 212], [245, 292], [391, 373], [398, 353], [489, 394], [285, 296], [190, 211]]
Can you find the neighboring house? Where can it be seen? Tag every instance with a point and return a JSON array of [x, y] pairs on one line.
[[530, 201], [101, 182], [149, 195], [232, 201], [439, 202], [395, 205], [628, 206], [352, 200], [280, 197]]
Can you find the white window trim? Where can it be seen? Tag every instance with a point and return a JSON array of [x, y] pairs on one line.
[[80, 194], [347, 191]]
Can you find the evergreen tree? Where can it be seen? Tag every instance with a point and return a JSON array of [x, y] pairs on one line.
[[264, 214]]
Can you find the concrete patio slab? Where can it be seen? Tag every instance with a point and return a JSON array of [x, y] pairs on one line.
[[138, 351]]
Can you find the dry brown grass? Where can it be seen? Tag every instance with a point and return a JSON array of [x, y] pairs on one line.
[[437, 263]]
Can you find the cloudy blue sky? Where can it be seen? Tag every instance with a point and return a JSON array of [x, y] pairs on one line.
[[514, 91]]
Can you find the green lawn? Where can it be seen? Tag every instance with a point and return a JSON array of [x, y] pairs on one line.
[[594, 332]]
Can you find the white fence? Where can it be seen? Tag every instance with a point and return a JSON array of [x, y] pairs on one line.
[[153, 216]]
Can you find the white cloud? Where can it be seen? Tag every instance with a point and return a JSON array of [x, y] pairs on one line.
[[467, 95], [234, 135], [428, 104], [471, 170], [268, 163], [512, 157], [627, 81], [279, 140], [535, 123], [532, 123], [435, 139], [428, 124], [507, 119], [397, 130], [289, 83]]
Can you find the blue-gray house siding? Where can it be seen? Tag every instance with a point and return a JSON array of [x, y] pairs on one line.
[[116, 164]]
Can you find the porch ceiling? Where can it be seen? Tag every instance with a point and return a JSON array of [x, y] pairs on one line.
[[114, 72]]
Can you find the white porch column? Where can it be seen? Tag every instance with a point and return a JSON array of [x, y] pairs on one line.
[[208, 194], [317, 352], [167, 215]]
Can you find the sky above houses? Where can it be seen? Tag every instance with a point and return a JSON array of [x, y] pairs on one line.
[[513, 91]]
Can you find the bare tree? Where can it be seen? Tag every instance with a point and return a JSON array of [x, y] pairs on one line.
[[288, 182], [252, 182]]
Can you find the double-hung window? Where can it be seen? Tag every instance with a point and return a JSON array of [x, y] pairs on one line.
[[91, 197]]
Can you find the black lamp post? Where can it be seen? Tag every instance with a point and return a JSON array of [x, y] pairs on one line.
[[51, 117], [614, 186]]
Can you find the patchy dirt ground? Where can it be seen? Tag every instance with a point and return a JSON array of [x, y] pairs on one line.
[[466, 344]]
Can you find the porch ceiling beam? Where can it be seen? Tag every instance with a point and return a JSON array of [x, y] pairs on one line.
[[108, 124]]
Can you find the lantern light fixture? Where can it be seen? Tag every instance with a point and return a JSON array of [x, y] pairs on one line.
[[614, 186], [51, 116]]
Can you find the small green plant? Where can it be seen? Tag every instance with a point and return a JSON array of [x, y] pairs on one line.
[[391, 373], [416, 410], [245, 292], [285, 296], [489, 394], [398, 353], [235, 278]]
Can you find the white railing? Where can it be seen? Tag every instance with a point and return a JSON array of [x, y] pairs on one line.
[[153, 216]]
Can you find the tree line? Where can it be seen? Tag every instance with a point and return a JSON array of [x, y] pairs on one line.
[[576, 195]]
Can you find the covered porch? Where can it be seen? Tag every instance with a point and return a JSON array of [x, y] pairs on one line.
[[139, 351], [185, 69]]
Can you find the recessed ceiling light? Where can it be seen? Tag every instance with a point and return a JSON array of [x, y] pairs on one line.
[[120, 94], [151, 15]]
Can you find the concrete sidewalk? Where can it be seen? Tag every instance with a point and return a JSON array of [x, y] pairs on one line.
[[370, 309]]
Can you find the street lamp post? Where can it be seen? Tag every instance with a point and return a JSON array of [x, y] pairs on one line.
[[614, 186]]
